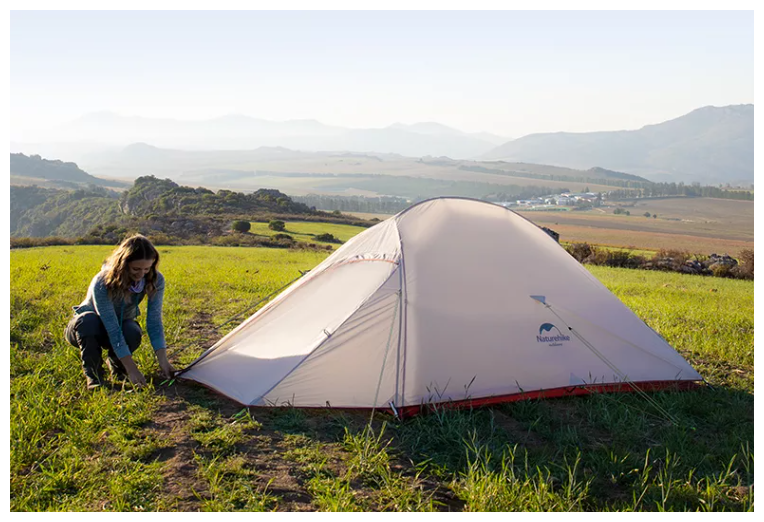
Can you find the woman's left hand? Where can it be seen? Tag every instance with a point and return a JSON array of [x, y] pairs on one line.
[[168, 370]]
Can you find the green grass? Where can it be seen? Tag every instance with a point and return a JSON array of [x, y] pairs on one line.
[[177, 446], [306, 231]]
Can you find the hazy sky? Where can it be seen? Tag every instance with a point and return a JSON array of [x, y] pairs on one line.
[[511, 73]]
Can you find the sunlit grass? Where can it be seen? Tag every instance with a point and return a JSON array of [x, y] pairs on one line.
[[77, 450]]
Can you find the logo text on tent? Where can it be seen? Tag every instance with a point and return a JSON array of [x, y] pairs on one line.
[[551, 338]]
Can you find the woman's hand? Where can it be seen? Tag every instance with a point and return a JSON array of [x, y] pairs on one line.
[[168, 371], [133, 373], [137, 378]]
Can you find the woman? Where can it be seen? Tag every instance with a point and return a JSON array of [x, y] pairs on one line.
[[106, 319]]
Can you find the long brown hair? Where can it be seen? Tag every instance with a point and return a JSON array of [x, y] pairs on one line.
[[117, 277]]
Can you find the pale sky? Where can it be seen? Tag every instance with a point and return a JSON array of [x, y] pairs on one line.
[[510, 73]]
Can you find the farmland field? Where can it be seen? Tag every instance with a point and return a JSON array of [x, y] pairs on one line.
[[699, 225], [177, 446]]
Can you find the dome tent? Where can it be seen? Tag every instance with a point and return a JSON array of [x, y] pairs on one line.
[[450, 301]]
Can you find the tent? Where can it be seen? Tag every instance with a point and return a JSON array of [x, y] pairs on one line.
[[452, 301]]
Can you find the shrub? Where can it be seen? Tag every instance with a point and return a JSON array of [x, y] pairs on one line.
[[623, 259], [277, 225], [580, 251], [327, 238], [285, 237], [722, 270], [745, 267], [670, 260], [160, 238], [241, 226]]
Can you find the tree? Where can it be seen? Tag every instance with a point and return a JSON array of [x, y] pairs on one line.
[[241, 226], [277, 225]]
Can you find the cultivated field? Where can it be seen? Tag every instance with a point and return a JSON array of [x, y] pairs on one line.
[[702, 225]]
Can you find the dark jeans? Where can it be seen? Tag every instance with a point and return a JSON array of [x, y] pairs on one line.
[[86, 332]]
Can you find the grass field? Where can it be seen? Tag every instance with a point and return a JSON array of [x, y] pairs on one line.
[[366, 215], [177, 446], [306, 231]]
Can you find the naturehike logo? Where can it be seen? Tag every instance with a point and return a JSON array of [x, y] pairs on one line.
[[554, 339]]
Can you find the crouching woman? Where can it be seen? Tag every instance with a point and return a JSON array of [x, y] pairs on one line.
[[106, 319]]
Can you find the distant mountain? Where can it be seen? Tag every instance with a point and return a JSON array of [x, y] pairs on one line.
[[36, 167], [140, 158], [237, 132], [437, 129], [709, 145], [428, 127]]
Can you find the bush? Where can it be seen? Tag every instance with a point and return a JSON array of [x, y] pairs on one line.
[[580, 251], [285, 237], [277, 225], [29, 242], [722, 270], [745, 267], [623, 259], [160, 238], [327, 238], [241, 226], [672, 260]]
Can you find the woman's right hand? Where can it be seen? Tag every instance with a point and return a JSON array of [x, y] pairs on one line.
[[137, 378], [133, 373]]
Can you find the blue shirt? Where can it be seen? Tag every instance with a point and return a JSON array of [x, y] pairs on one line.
[[113, 312]]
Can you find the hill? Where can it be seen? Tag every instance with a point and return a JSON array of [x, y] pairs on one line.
[[150, 206], [709, 145], [342, 173], [41, 212], [37, 168]]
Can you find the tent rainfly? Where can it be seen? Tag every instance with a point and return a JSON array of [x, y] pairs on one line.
[[453, 301]]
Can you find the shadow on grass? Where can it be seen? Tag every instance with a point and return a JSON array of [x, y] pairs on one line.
[[599, 452]]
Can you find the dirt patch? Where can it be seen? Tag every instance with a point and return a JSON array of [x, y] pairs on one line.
[[263, 452], [265, 448], [203, 330], [180, 471], [517, 431]]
